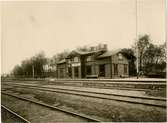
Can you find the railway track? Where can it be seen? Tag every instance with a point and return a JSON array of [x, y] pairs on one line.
[[116, 85], [123, 85], [120, 84], [19, 117], [97, 80], [70, 113], [149, 101]]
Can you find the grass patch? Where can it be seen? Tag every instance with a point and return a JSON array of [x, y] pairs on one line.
[[157, 93]]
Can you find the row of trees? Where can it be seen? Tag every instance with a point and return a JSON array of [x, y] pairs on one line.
[[151, 59], [32, 67]]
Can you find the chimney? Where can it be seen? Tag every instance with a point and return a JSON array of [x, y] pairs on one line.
[[105, 46], [99, 46], [102, 46], [92, 48]]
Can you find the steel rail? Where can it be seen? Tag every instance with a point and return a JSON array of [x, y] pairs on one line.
[[99, 79], [103, 85], [100, 97], [145, 81], [17, 115], [115, 85], [116, 80], [38, 87], [53, 107], [113, 82]]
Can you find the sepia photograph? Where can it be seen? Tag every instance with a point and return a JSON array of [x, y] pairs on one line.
[[83, 61]]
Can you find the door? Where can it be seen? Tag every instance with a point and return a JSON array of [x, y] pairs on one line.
[[76, 72], [102, 70]]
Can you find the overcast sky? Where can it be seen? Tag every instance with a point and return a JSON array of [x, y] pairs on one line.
[[31, 27]]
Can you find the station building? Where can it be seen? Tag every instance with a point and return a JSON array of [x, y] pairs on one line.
[[96, 63]]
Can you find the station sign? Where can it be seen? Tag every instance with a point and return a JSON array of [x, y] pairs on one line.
[[76, 64]]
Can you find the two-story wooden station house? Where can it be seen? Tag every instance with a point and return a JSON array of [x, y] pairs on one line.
[[98, 62]]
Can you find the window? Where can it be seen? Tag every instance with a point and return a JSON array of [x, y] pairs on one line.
[[125, 68], [69, 61], [120, 56], [116, 69], [88, 70], [102, 70], [76, 59], [72, 59], [69, 72], [89, 58]]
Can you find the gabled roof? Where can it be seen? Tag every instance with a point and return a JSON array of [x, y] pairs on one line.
[[83, 52], [62, 61], [78, 52], [109, 53]]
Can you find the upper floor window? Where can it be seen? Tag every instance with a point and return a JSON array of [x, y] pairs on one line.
[[120, 57], [76, 59], [69, 61], [89, 58]]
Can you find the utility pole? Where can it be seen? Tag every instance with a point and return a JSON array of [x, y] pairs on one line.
[[137, 62], [33, 71]]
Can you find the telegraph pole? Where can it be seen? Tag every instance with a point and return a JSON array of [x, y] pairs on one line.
[[33, 71], [137, 62]]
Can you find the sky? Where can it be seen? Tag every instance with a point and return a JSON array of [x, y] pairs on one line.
[[28, 28]]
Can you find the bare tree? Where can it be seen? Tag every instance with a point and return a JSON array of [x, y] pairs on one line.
[[33, 65], [142, 45]]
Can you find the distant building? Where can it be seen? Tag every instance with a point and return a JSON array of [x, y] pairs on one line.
[[98, 62], [50, 69]]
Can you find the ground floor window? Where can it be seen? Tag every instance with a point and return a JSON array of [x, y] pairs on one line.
[[102, 70], [76, 72], [125, 68], [88, 70], [116, 69]]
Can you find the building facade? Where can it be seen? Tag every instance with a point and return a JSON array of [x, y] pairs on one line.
[[50, 69], [97, 63]]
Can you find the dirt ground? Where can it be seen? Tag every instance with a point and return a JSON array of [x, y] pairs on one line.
[[36, 113], [105, 110]]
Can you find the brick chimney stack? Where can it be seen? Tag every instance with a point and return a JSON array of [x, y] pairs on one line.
[[102, 47]]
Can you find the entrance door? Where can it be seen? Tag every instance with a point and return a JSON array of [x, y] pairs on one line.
[[102, 70], [88, 70], [76, 72]]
